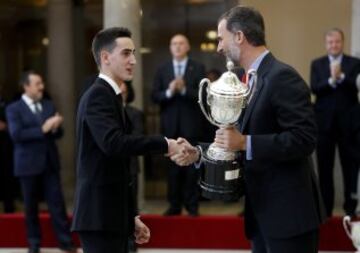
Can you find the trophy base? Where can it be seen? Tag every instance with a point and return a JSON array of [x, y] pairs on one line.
[[221, 180]]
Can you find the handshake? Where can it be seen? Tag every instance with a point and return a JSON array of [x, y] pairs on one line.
[[182, 152]]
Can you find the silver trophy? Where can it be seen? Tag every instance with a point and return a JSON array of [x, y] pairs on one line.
[[354, 231], [225, 100]]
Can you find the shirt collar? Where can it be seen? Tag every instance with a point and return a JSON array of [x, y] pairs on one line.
[[338, 58], [182, 62], [29, 101], [255, 65], [111, 82]]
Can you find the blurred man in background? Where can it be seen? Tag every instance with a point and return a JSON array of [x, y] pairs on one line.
[[333, 81]]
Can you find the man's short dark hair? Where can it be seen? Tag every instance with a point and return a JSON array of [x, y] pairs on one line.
[[249, 21], [105, 40], [25, 77]]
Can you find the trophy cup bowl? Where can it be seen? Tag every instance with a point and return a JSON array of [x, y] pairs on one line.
[[352, 229], [226, 98]]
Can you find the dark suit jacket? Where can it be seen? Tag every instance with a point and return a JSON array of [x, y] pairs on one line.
[[103, 199], [281, 187], [330, 101], [136, 117], [33, 150], [180, 115], [355, 133]]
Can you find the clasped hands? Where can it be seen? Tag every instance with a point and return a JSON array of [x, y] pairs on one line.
[[335, 70], [183, 153], [52, 123], [177, 85]]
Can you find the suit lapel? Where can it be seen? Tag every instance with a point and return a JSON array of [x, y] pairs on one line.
[[189, 68], [170, 70], [262, 70], [118, 99], [326, 65], [344, 63], [27, 110]]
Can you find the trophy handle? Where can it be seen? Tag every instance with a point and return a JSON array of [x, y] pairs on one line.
[[347, 224], [200, 101]]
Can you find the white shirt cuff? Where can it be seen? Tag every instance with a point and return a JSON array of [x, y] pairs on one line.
[[168, 93], [248, 148], [332, 82], [198, 163]]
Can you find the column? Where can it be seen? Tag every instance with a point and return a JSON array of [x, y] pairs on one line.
[[355, 29], [127, 13], [60, 82]]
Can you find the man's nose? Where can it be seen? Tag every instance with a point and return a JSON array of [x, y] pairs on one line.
[[133, 59], [219, 49]]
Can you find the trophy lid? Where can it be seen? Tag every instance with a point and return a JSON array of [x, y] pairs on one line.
[[228, 83]]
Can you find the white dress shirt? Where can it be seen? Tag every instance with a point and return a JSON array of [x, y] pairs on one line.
[[31, 103], [112, 83]]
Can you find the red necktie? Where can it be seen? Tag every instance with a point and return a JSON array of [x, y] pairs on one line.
[[243, 79]]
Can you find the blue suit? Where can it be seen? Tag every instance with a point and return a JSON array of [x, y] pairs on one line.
[[333, 109], [36, 163]]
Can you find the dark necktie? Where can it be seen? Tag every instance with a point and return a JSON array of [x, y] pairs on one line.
[[178, 70], [37, 111]]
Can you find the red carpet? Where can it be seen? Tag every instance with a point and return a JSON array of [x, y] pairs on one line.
[[207, 232]]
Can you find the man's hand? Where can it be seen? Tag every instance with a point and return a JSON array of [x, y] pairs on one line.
[[58, 120], [188, 155], [173, 147], [3, 125], [335, 70], [48, 125], [180, 84], [142, 232], [52, 123], [230, 139], [173, 86]]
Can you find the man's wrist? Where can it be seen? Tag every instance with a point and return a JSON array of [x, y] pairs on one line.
[[199, 153]]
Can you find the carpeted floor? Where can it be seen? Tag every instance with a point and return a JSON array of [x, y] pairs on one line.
[[48, 250]]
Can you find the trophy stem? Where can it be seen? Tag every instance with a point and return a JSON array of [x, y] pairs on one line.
[[219, 154]]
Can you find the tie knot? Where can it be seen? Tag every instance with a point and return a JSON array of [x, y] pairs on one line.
[[37, 106], [244, 79]]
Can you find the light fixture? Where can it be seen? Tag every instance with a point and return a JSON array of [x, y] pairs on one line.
[[208, 47], [145, 50], [45, 41], [211, 35]]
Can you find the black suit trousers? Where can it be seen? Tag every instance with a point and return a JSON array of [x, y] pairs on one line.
[[303, 243], [103, 242], [49, 182], [183, 188], [337, 134]]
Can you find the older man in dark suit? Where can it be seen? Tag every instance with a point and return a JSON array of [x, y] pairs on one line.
[[175, 89], [333, 81], [34, 125], [104, 213], [277, 135]]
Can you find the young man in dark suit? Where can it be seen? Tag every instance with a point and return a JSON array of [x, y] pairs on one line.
[[333, 81], [104, 213], [34, 125], [175, 89], [277, 135]]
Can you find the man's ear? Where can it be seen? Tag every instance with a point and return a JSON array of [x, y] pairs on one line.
[[104, 57], [239, 37]]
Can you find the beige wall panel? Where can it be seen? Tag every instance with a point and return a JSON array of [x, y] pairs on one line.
[[295, 29]]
